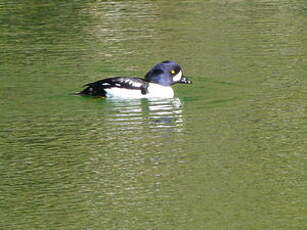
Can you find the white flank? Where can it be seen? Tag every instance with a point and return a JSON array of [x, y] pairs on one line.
[[154, 91], [178, 76]]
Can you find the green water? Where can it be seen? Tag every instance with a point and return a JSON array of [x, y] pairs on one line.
[[228, 152]]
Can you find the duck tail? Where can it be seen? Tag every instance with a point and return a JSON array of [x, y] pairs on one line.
[[91, 90]]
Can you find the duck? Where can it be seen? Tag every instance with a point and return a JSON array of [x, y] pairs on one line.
[[157, 83]]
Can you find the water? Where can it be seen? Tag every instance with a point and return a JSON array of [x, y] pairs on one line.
[[228, 152]]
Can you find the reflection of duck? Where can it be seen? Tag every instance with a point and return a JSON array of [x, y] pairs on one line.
[[139, 114], [166, 113], [157, 83]]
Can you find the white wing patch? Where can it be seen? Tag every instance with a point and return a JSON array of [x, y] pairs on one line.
[[136, 84], [105, 84], [132, 83], [178, 76]]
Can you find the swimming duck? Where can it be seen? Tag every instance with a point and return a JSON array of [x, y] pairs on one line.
[[156, 83]]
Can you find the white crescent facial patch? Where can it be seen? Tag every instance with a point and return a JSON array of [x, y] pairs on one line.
[[178, 76]]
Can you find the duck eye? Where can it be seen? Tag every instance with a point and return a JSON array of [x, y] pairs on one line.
[[173, 72]]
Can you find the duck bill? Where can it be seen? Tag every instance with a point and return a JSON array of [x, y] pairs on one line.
[[184, 80]]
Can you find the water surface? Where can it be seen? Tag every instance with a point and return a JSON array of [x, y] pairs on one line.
[[228, 152]]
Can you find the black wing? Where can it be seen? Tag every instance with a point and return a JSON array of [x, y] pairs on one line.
[[98, 88]]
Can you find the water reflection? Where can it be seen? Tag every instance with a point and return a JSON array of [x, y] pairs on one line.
[[153, 114], [166, 114]]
